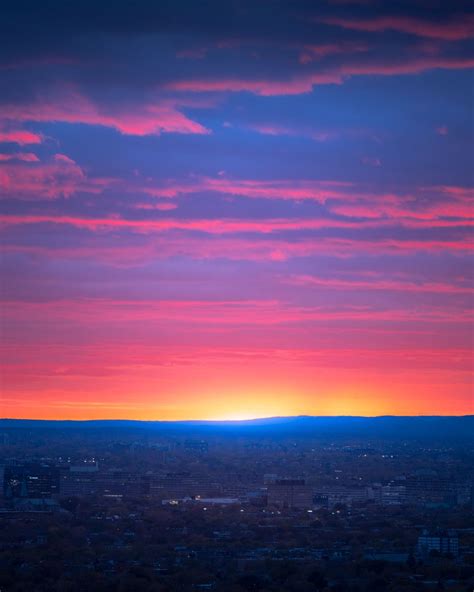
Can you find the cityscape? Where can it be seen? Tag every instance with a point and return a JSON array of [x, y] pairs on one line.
[[236, 296], [297, 504]]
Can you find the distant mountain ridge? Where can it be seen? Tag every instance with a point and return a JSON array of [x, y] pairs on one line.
[[387, 426]]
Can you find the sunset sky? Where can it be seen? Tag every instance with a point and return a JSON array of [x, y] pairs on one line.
[[232, 209]]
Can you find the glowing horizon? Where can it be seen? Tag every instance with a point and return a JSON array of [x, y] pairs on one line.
[[248, 213]]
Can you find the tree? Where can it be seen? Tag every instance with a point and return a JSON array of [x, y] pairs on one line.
[[250, 582], [317, 580]]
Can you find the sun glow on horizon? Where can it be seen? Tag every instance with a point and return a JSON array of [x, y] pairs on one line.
[[238, 417]]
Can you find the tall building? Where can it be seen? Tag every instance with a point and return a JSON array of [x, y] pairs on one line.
[[290, 493], [79, 480], [30, 481]]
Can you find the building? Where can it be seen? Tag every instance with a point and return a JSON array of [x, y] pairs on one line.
[[442, 541], [116, 483], [393, 495], [30, 481], [183, 484], [196, 446], [427, 488], [290, 493], [79, 480], [329, 497], [88, 480]]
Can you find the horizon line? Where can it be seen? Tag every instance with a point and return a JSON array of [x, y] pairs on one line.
[[237, 420]]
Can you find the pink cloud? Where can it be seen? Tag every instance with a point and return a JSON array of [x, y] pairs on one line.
[[282, 250], [209, 226], [24, 156], [280, 130], [292, 86], [275, 189], [415, 66], [164, 206], [451, 202], [225, 246], [252, 188], [465, 194], [69, 105], [229, 225], [216, 312], [30, 179], [104, 358], [317, 52], [18, 136], [460, 28], [379, 284], [304, 82]]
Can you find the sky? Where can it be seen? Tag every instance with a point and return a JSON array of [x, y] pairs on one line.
[[235, 209]]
